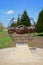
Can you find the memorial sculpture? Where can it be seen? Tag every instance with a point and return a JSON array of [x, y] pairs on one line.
[[21, 29]]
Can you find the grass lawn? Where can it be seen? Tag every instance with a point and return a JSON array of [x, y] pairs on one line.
[[39, 34], [4, 42], [3, 32]]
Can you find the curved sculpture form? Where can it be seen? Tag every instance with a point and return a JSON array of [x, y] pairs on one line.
[[11, 30], [32, 29], [21, 29]]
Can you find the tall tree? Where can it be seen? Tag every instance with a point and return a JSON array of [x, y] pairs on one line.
[[18, 21], [39, 25], [25, 20]]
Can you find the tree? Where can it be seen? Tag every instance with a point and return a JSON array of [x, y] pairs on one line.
[[39, 25], [25, 20], [18, 21], [12, 23], [1, 26]]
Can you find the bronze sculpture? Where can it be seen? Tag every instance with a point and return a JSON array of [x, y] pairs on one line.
[[21, 29]]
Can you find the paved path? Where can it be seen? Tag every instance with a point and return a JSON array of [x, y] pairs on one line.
[[21, 55]]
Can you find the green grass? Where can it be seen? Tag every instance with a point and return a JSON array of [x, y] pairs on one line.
[[39, 34], [3, 32], [4, 42]]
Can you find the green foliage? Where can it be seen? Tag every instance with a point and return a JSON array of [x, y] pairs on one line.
[[18, 21], [1, 27], [13, 24], [4, 41], [39, 25], [25, 20]]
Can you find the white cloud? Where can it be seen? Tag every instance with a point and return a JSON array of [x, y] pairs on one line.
[[10, 12]]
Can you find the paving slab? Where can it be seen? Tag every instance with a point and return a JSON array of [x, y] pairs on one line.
[[21, 55]]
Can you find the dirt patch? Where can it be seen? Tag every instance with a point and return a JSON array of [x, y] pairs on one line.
[[12, 44], [36, 42]]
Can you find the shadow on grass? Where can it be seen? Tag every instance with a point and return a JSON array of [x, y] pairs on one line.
[[40, 35]]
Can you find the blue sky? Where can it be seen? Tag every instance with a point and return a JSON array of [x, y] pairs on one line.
[[11, 8]]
